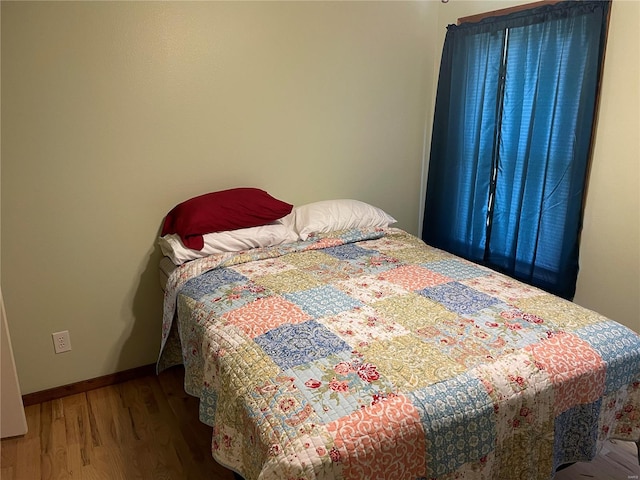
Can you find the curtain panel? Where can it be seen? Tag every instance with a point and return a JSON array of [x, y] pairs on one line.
[[511, 140]]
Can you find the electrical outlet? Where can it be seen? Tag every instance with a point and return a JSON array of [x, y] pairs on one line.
[[61, 341]]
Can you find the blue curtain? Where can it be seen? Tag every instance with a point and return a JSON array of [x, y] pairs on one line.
[[511, 140]]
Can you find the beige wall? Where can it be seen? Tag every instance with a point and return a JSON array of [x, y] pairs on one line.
[[609, 278], [113, 112]]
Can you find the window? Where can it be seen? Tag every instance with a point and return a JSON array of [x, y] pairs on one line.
[[511, 140]]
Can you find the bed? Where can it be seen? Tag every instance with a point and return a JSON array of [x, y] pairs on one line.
[[360, 353]]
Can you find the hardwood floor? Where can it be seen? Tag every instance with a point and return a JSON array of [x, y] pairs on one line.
[[148, 429], [145, 429]]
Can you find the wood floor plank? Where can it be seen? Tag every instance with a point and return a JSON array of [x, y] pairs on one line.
[[148, 429], [27, 461]]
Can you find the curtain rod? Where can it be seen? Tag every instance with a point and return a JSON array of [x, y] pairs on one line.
[[505, 11]]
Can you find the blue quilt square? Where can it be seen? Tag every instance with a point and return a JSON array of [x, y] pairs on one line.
[[203, 284], [576, 433], [619, 348], [292, 345], [348, 251], [456, 269], [459, 422], [323, 301], [459, 298], [232, 296]]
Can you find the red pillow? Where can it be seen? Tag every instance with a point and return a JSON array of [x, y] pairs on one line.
[[221, 211]]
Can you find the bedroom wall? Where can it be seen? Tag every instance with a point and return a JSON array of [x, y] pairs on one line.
[[609, 277], [113, 112]]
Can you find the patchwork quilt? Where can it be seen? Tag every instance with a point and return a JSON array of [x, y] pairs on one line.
[[366, 354]]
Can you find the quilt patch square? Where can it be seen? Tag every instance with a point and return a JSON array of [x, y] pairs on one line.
[[522, 396], [348, 251], [506, 289], [292, 345], [414, 312], [413, 277], [398, 437], [459, 298], [458, 419], [311, 259], [409, 363], [577, 422], [329, 273], [290, 410], [234, 295], [506, 328], [374, 264], [369, 288], [417, 255], [558, 313], [288, 281], [264, 314], [576, 370], [613, 342], [323, 301], [340, 384], [388, 244], [260, 268], [456, 269], [361, 326], [198, 287]]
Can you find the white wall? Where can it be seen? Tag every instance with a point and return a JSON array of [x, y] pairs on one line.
[[113, 112]]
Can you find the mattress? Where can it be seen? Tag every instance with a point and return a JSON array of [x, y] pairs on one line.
[[165, 267], [367, 354]]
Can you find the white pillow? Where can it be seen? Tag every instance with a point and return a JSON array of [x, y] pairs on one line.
[[330, 215], [228, 241]]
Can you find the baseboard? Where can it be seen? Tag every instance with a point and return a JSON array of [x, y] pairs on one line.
[[86, 385]]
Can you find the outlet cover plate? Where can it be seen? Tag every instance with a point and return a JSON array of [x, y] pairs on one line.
[[61, 341]]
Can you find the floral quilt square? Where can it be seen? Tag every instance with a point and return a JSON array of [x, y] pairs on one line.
[[374, 264], [506, 289], [202, 285], [413, 277], [292, 345], [504, 327], [288, 409], [330, 273], [233, 295], [388, 244], [340, 384], [362, 326], [369, 288], [323, 301], [459, 298], [260, 268], [264, 314]]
